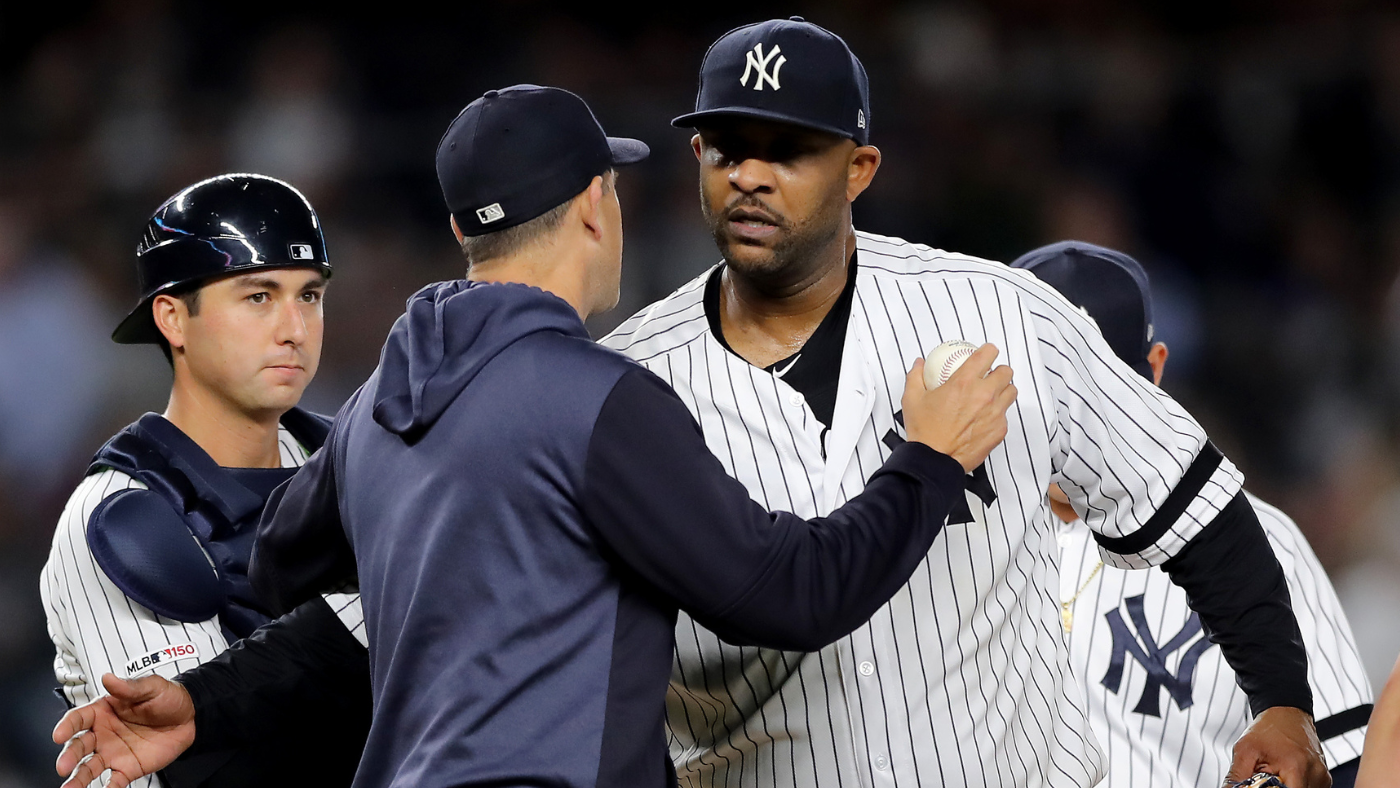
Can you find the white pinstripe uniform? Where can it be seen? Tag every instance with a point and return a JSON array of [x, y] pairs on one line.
[[97, 629], [1152, 739], [963, 678]]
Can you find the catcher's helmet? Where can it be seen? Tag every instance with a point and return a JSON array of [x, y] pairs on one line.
[[225, 225]]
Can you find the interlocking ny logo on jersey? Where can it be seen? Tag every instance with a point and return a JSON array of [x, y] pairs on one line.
[[755, 60], [1153, 657], [977, 482]]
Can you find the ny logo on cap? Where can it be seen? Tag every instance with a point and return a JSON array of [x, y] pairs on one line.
[[301, 251], [490, 213], [755, 60]]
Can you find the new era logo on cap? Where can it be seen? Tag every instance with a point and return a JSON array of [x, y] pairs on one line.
[[490, 213], [301, 251]]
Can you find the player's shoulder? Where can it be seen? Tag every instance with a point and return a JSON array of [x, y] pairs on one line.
[[99, 485], [902, 262], [887, 257], [140, 543], [70, 534], [664, 325], [1276, 524], [144, 546]]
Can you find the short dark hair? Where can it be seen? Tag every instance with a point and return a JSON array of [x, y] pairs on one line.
[[190, 295], [503, 243]]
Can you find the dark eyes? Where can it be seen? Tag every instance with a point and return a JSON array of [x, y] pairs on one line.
[[309, 297]]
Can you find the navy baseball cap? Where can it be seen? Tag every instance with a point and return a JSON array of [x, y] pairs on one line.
[[786, 70], [1109, 285], [516, 153]]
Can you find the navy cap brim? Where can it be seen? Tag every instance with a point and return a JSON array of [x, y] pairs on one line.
[[626, 150], [696, 119]]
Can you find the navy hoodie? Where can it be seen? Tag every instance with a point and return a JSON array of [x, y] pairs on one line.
[[525, 511]]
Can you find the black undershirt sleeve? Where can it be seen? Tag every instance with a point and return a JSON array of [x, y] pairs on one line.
[[1234, 581], [290, 704]]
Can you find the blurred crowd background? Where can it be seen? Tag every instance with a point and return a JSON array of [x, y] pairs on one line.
[[1246, 151]]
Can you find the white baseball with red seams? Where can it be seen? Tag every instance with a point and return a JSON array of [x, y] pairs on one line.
[[944, 360]]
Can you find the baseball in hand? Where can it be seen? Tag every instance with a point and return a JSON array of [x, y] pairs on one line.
[[944, 360]]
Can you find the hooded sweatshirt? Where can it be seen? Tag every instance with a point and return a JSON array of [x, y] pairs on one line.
[[525, 511]]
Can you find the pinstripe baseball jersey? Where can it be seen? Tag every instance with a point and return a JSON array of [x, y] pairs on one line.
[[97, 629], [1161, 698], [963, 678]]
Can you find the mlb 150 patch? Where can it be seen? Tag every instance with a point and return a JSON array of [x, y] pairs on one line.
[[145, 663]]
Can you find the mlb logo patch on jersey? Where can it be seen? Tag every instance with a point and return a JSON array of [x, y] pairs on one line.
[[301, 251], [145, 663]]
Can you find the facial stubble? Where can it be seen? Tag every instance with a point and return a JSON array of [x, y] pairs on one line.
[[799, 250]]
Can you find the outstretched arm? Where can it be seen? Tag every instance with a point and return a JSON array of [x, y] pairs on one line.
[[289, 676], [667, 510], [142, 726]]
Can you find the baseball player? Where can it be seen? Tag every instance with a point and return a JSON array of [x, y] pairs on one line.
[[148, 570], [1161, 698], [791, 356], [527, 509]]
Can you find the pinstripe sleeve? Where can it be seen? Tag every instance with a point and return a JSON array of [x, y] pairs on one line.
[[1342, 695], [96, 628], [1137, 467]]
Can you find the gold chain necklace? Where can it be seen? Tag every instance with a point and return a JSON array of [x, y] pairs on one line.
[[1066, 611]]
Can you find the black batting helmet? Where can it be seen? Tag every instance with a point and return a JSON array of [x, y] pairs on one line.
[[225, 225]]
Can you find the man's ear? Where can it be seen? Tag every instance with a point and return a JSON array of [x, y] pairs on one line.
[[860, 170], [589, 204], [457, 231], [695, 146], [1157, 359], [170, 314]]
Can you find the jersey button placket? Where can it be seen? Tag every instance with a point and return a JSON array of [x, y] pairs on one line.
[[804, 422]]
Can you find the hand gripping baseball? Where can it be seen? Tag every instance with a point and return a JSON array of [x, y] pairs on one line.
[[965, 418], [1282, 741], [140, 728]]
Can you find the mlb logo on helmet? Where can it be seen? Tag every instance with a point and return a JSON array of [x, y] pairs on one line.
[[301, 251]]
